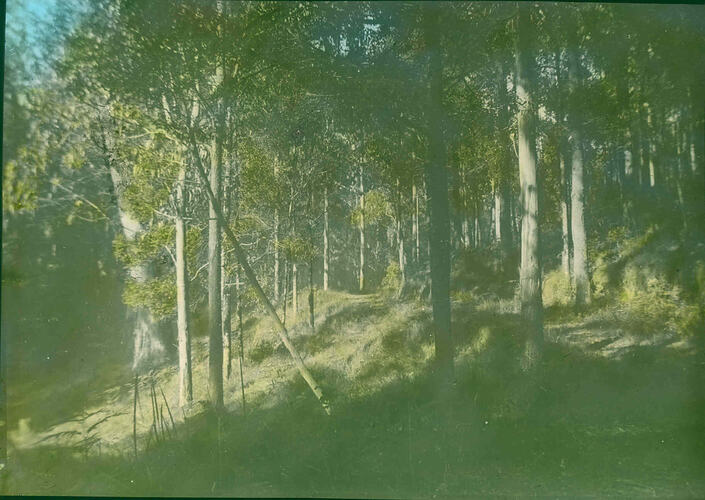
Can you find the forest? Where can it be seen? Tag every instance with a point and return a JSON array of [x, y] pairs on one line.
[[353, 249]]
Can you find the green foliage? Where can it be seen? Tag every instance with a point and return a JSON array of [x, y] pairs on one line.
[[158, 295], [557, 290], [652, 304], [261, 351], [149, 244], [377, 207], [392, 279], [19, 189], [297, 249]]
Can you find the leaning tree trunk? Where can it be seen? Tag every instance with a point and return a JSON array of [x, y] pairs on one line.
[[577, 203], [252, 278], [530, 271], [437, 185], [182, 299]]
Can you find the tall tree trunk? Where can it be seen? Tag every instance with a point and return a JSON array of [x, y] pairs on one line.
[[580, 272], [225, 298], [294, 291], [680, 176], [362, 231], [503, 193], [565, 219], [326, 250], [437, 185], [241, 334], [276, 255], [530, 272], [286, 291], [311, 318], [182, 299], [415, 223], [466, 216], [400, 240], [215, 329], [652, 146], [494, 220], [477, 227]]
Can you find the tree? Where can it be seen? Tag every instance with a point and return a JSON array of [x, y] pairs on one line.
[[437, 184], [530, 271]]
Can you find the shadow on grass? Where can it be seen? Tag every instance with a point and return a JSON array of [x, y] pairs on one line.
[[594, 426]]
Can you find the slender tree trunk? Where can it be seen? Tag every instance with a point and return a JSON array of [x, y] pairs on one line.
[[182, 299], [362, 231], [415, 223], [530, 272], [580, 272], [466, 216], [565, 219], [680, 175], [400, 240], [286, 291], [311, 298], [241, 334], [326, 250], [693, 155], [276, 255], [294, 291], [215, 359], [437, 185], [476, 226], [652, 147], [225, 298]]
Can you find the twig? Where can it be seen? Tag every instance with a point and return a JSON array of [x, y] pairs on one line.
[[173, 425]]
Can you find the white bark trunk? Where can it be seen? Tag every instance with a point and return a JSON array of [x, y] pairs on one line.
[[415, 223], [362, 231], [580, 272], [326, 256], [215, 341], [294, 291], [182, 300]]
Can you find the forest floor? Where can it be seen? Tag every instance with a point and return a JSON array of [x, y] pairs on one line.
[[612, 413]]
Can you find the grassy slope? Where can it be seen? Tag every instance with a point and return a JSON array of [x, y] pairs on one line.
[[607, 417]]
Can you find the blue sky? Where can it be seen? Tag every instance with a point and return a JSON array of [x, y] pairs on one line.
[[32, 17]]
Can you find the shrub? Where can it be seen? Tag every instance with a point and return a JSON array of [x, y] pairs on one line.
[[652, 304], [261, 351], [600, 275], [557, 290], [392, 279]]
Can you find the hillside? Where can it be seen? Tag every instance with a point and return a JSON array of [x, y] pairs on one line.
[[594, 413]]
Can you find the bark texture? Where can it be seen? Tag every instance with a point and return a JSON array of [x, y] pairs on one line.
[[530, 271], [437, 189]]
